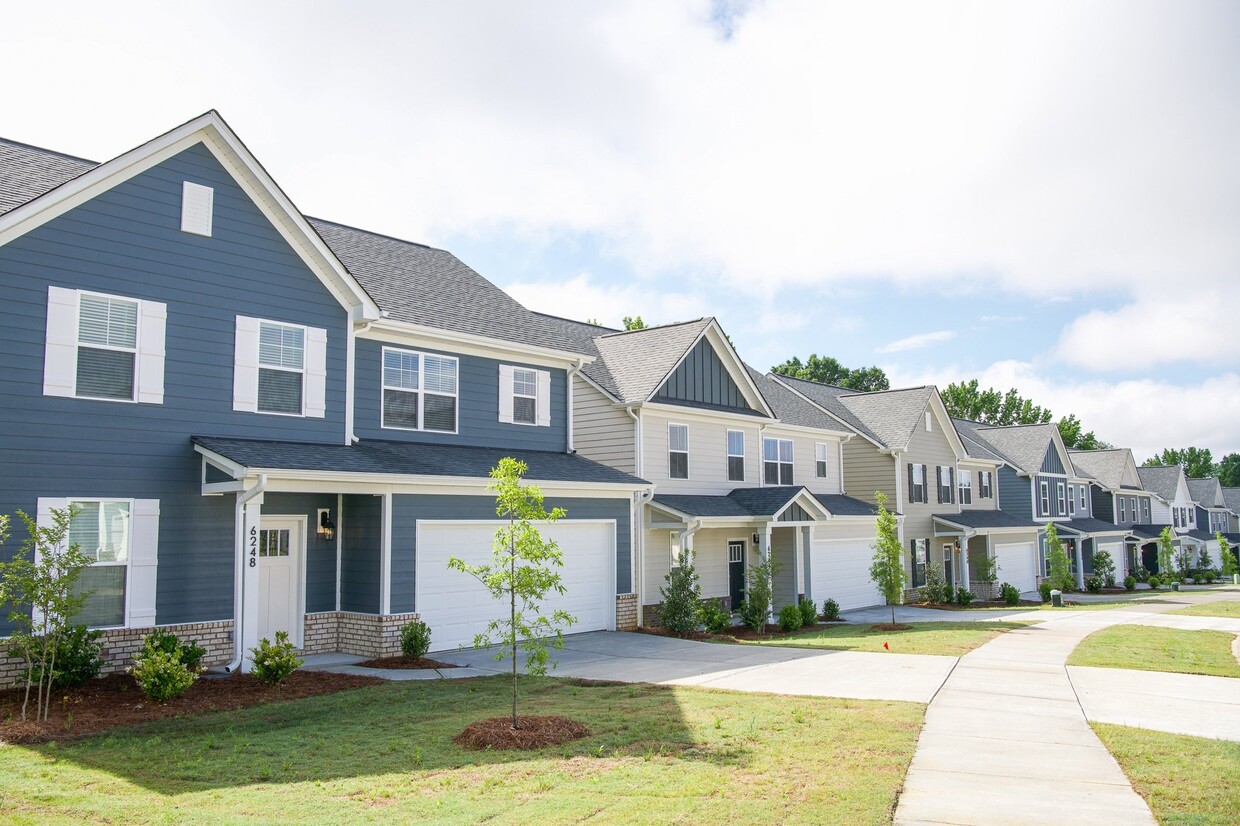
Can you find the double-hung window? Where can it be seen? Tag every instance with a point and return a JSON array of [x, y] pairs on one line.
[[1145, 511], [1123, 510], [820, 460], [419, 391], [1060, 501], [946, 492], [101, 530], [281, 367], [1044, 497], [736, 456], [966, 487], [1084, 492], [1071, 500], [917, 483], [777, 461], [678, 451], [983, 481], [104, 347], [524, 396]]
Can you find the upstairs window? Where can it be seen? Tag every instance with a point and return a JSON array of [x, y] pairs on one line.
[[104, 347], [280, 368], [1084, 493], [1145, 511], [1060, 501], [966, 487], [984, 484], [1071, 500], [524, 396], [946, 489], [1123, 510], [820, 460], [1175, 517], [917, 483], [678, 451], [736, 456], [1044, 497], [419, 391], [777, 461]]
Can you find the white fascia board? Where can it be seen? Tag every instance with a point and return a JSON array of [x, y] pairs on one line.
[[419, 335], [807, 502], [817, 432], [210, 130], [233, 469], [946, 425], [280, 478], [679, 411]]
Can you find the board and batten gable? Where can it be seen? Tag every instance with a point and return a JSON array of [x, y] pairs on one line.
[[702, 378], [128, 242], [602, 431], [478, 420]]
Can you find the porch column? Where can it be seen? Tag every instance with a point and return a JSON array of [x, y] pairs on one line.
[[245, 626], [806, 557], [1080, 564], [764, 553], [964, 563], [797, 552]]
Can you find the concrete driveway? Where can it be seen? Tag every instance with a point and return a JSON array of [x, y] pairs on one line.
[[628, 657]]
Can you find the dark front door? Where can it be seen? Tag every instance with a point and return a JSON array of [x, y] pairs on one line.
[[736, 573], [1149, 558]]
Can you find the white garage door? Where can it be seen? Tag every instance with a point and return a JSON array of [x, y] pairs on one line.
[[840, 569], [1018, 565], [457, 607], [1116, 550]]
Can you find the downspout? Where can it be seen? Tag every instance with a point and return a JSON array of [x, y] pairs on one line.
[[239, 570], [350, 391], [573, 370], [639, 545], [845, 440], [637, 439]]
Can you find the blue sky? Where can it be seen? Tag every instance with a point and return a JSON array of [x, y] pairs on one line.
[[1038, 194]]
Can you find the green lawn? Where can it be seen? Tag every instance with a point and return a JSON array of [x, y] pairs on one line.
[[1229, 609], [384, 754], [1185, 780], [948, 638], [1149, 648]]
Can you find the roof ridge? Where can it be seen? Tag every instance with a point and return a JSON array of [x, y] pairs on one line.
[[888, 390], [575, 321], [377, 234], [656, 327], [25, 145]]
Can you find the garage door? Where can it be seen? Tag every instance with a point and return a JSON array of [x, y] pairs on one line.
[[457, 607], [1116, 550], [840, 569], [1018, 565]]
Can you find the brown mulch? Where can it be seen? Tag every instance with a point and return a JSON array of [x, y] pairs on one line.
[[404, 663], [977, 603], [534, 733], [115, 701], [735, 634], [887, 626]]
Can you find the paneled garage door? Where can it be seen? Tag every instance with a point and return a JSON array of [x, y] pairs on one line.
[[1018, 565], [457, 607], [840, 569]]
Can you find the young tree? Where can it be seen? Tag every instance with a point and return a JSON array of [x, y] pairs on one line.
[[39, 585], [1104, 567], [1166, 551], [1059, 567], [887, 569], [682, 596], [521, 572], [1230, 566], [755, 610]]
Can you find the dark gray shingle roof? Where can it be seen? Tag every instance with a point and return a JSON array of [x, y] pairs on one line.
[[1149, 531], [841, 505], [891, 415], [827, 397], [1232, 497], [636, 362], [982, 519], [26, 172], [1162, 480], [788, 407], [1025, 444], [410, 459], [1206, 492], [975, 445], [1107, 466], [755, 502], [1088, 525]]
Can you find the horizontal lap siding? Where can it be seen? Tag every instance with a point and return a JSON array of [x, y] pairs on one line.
[[1014, 493], [128, 242], [361, 553], [708, 450], [477, 404], [867, 471], [601, 431], [320, 554]]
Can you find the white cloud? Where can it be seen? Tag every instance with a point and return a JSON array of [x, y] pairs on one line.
[[584, 298], [917, 342], [1145, 415]]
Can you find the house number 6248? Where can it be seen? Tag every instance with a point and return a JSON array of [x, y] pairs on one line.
[[253, 546]]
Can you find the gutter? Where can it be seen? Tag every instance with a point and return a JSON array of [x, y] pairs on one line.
[[239, 570]]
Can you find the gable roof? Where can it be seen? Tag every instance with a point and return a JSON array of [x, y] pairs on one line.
[[827, 398], [1107, 466], [1025, 445], [1206, 492], [750, 503], [1162, 480], [790, 408], [26, 172], [1231, 496], [891, 415], [975, 444]]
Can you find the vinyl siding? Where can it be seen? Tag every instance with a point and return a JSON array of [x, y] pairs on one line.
[[989, 504], [1101, 503], [1014, 496], [601, 431], [866, 471], [128, 242], [1052, 483], [361, 553], [708, 452], [1051, 462], [931, 449]]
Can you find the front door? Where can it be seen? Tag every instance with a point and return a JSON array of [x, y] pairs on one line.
[[948, 567], [736, 572], [281, 547]]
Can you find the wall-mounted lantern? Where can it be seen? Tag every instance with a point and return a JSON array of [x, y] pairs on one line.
[[327, 528]]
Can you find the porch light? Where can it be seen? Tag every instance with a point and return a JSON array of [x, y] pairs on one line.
[[755, 539], [327, 528]]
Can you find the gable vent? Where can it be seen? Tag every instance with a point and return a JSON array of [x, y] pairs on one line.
[[197, 206]]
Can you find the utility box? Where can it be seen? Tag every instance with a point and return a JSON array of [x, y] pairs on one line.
[[1056, 598], [1175, 586]]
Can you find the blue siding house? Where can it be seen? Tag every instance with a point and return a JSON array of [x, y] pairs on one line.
[[272, 423]]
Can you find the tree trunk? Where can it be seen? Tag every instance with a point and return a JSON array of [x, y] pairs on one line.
[[512, 619]]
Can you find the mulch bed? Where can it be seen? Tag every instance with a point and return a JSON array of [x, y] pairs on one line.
[[534, 733], [887, 627], [736, 634], [977, 603], [405, 663], [115, 701]]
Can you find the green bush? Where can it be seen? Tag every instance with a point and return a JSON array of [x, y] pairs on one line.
[[1155, 581], [1010, 593], [830, 610], [274, 662], [415, 639], [809, 612], [714, 618], [789, 618], [189, 653], [1044, 590], [963, 597], [1104, 566], [682, 596], [1130, 582], [160, 669], [1142, 573], [77, 659], [1093, 584], [936, 591]]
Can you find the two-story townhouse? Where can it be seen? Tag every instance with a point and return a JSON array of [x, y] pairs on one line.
[[270, 423], [741, 469], [1170, 504], [1211, 515], [1116, 496], [908, 450], [1231, 497]]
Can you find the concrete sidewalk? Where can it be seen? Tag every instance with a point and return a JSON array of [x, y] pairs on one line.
[[1177, 703]]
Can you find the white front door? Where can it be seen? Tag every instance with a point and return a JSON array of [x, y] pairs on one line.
[[281, 549]]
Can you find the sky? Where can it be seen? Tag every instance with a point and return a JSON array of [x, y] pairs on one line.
[[1040, 195]]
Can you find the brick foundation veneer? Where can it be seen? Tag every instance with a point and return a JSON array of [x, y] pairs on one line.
[[366, 635], [626, 612]]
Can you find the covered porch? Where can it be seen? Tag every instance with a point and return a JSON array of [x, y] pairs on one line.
[[1088, 537], [969, 539]]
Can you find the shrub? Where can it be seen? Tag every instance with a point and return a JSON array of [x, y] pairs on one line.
[[789, 617], [1130, 582], [714, 618], [415, 639], [1010, 593], [77, 657], [1093, 584], [274, 662], [809, 612], [188, 653], [964, 596], [1044, 590], [936, 590], [160, 668], [681, 596], [1142, 573], [757, 604], [1155, 581], [1059, 567], [830, 610], [1104, 566]]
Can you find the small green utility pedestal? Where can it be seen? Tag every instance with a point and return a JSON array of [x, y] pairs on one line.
[[1175, 586], [1056, 598]]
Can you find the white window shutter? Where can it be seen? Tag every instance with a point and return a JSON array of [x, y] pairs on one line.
[[152, 322], [197, 208], [60, 348], [316, 372], [544, 398], [505, 394], [143, 563], [245, 366]]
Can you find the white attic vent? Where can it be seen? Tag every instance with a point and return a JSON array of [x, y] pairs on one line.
[[197, 207], [928, 427]]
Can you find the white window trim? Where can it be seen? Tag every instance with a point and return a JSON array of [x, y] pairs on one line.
[[61, 342], [670, 451], [516, 395], [421, 391], [913, 496], [791, 463], [1061, 500], [820, 448], [1084, 507], [1044, 498], [1071, 500], [305, 358], [1123, 509], [542, 404], [729, 456]]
